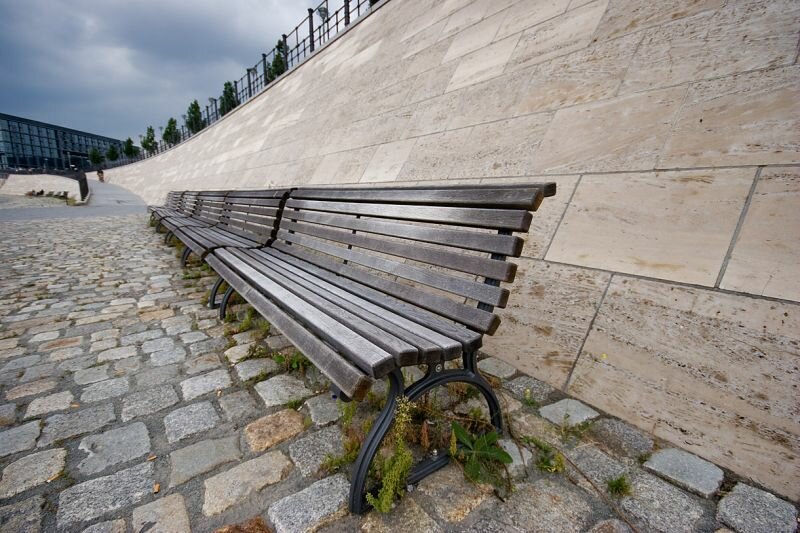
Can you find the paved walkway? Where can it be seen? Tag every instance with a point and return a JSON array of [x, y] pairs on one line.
[[126, 407]]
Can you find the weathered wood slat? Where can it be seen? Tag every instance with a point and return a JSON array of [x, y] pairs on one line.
[[509, 245], [369, 357], [468, 315], [526, 196], [415, 332], [489, 294], [342, 374], [404, 352], [470, 264], [512, 219]]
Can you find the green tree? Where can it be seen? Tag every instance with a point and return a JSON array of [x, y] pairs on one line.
[[228, 99], [171, 135], [149, 140], [129, 149], [95, 157], [194, 118], [278, 65], [112, 154]]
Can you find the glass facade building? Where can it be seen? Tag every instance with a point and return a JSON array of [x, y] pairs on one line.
[[28, 143]]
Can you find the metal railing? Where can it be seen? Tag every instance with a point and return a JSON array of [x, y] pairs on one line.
[[320, 25]]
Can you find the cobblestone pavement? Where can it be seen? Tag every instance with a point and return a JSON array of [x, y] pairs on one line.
[[125, 407]]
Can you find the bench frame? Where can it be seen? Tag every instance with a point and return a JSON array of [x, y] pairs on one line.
[[435, 376]]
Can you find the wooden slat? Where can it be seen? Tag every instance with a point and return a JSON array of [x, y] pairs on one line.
[[512, 219], [482, 292], [369, 357], [421, 334], [403, 351], [470, 316], [470, 264], [527, 196], [342, 374], [508, 245]]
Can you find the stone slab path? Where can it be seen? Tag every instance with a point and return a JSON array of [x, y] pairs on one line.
[[120, 411]]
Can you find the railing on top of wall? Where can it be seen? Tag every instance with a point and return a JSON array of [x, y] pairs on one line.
[[319, 26]]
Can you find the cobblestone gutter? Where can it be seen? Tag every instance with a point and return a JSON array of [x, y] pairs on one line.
[[126, 407]]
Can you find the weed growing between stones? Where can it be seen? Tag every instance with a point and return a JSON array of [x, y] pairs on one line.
[[528, 400], [547, 459], [569, 432], [484, 461], [619, 486], [393, 471], [295, 362]]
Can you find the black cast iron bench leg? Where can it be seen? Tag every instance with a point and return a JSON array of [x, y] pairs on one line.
[[435, 377], [223, 306], [185, 255], [212, 296], [167, 237]]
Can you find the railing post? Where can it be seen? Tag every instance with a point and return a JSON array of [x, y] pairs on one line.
[[311, 27], [249, 84], [346, 13], [264, 67]]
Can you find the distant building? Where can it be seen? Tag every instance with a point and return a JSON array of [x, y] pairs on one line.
[[28, 143]]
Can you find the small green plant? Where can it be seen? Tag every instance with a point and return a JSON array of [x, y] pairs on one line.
[[294, 362], [395, 469], [348, 410], [483, 459], [548, 458], [191, 275], [528, 400], [643, 458], [256, 351], [334, 463], [376, 401], [247, 322], [294, 404], [619, 486], [261, 329], [576, 431]]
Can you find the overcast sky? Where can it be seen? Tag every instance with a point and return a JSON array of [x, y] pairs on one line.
[[113, 67]]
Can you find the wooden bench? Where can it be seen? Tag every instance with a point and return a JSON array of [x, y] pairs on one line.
[[367, 281], [235, 219]]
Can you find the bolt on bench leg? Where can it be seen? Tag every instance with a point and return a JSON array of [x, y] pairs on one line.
[[435, 377]]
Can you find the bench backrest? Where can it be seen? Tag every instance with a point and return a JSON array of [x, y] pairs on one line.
[[253, 215], [189, 202], [442, 249], [173, 200], [209, 205]]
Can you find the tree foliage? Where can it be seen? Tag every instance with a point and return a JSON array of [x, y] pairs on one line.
[[228, 99], [194, 118], [149, 140], [112, 154], [129, 149], [278, 65], [95, 157], [171, 135]]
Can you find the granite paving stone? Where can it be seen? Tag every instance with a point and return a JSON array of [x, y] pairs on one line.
[[58, 401], [102, 390], [64, 426], [22, 517], [307, 509], [201, 363], [167, 515], [238, 353], [31, 471], [686, 470], [8, 414], [622, 438], [202, 457], [115, 446], [232, 486], [659, 506], [109, 526], [237, 405], [273, 429], [117, 353], [309, 453], [187, 421], [750, 510], [495, 367], [323, 409], [568, 412], [282, 389], [148, 401], [199, 385], [252, 368], [537, 391], [176, 354], [156, 376], [100, 496], [19, 438], [30, 389]]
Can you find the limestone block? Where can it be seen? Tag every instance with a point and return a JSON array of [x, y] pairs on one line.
[[387, 161], [464, 18], [547, 318], [483, 64], [746, 119], [561, 35], [767, 252], [491, 100], [625, 133], [740, 37], [476, 36], [668, 225], [680, 360], [627, 16], [527, 13], [433, 156]]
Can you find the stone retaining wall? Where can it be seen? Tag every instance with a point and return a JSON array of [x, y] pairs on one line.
[[19, 184], [661, 283]]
